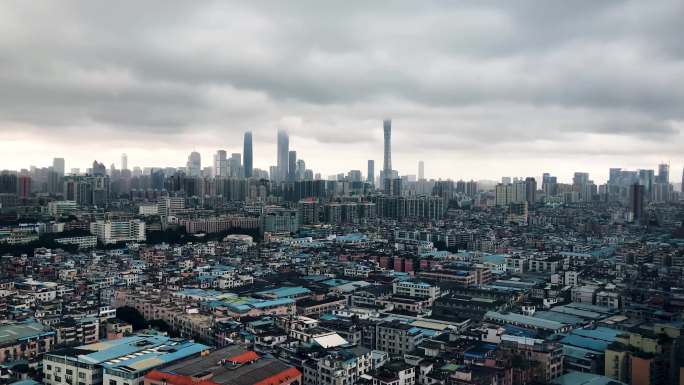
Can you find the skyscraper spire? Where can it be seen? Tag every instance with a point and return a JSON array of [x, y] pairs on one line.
[[247, 154], [387, 165]]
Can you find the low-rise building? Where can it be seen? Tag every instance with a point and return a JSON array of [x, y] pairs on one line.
[[122, 361], [232, 365]]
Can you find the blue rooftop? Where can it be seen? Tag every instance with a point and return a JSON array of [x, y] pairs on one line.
[[138, 353], [285, 292], [335, 282]]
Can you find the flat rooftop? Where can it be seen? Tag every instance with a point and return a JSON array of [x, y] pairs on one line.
[[135, 353], [232, 365], [10, 333]]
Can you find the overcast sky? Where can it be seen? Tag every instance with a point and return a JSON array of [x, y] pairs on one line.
[[479, 89]]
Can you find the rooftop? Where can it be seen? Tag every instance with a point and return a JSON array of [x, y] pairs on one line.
[[10, 333], [135, 353], [232, 365]]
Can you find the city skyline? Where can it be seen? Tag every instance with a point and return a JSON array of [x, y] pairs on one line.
[[503, 93], [341, 193], [222, 165]]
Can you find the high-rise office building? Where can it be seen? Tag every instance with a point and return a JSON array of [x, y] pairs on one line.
[[58, 165], [301, 170], [370, 178], [292, 165], [99, 169], [354, 175], [531, 191], [235, 165], [580, 178], [247, 154], [283, 156], [220, 164], [194, 165], [421, 170], [647, 179], [549, 185], [663, 173], [124, 162], [387, 165], [636, 202]]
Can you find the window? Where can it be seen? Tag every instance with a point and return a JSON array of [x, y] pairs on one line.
[[112, 382], [81, 375]]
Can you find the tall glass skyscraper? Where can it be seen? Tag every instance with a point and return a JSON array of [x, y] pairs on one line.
[[292, 166], [387, 165], [283, 155], [663, 173], [194, 164], [370, 178], [247, 154]]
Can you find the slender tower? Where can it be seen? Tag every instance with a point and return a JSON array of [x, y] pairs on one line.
[[283, 155], [421, 170], [247, 154], [387, 165], [370, 178]]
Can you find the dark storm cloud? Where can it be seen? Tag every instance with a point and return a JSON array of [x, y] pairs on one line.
[[478, 72]]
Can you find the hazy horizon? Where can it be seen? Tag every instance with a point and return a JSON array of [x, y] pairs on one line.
[[476, 90]]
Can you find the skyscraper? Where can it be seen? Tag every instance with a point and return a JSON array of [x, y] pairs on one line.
[[58, 165], [247, 154], [421, 170], [220, 164], [636, 202], [235, 165], [387, 165], [580, 178], [531, 191], [371, 172], [301, 169], [663, 173], [194, 165], [292, 165], [99, 169], [283, 155], [124, 162]]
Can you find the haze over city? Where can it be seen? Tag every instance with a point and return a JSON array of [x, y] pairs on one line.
[[311, 192], [475, 89]]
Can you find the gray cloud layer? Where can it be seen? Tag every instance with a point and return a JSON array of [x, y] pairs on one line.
[[494, 81]]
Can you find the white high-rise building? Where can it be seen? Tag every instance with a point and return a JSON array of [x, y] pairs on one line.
[[421, 170], [109, 232], [220, 164]]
